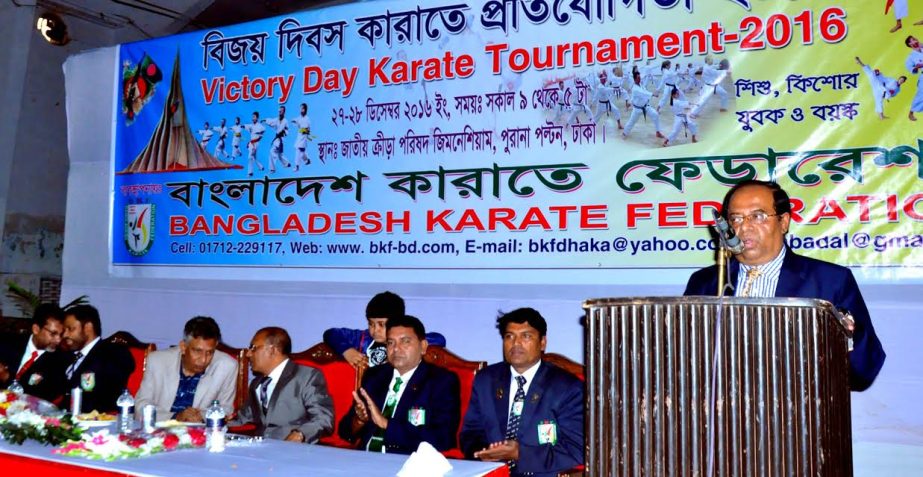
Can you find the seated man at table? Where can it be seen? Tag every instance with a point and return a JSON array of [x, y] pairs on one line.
[[404, 401], [286, 400], [525, 411], [101, 369], [366, 347], [34, 360], [183, 381]]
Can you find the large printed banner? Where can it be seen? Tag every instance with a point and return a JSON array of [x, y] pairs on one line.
[[520, 134]]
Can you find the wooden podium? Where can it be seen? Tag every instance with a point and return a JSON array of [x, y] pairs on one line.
[[694, 386]]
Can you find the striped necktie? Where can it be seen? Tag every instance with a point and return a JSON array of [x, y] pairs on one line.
[[264, 395], [512, 426], [73, 367]]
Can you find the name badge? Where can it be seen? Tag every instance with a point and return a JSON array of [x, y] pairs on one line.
[[547, 433], [517, 408], [88, 381], [416, 416]]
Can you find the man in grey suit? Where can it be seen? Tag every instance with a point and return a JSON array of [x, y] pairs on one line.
[[183, 381], [286, 400]]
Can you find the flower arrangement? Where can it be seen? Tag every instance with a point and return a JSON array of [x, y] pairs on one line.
[[25, 417], [102, 445]]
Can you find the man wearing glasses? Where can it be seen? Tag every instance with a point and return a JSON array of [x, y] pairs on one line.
[[34, 361], [759, 213], [286, 401], [183, 381]]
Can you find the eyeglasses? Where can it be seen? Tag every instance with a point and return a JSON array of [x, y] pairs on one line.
[[758, 218], [253, 348]]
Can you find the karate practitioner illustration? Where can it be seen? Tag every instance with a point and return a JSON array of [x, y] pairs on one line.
[[605, 96], [900, 13], [256, 130], [236, 133], [669, 80], [281, 129], [303, 123], [914, 64], [711, 79], [641, 106], [883, 87], [205, 135], [222, 132], [681, 119]]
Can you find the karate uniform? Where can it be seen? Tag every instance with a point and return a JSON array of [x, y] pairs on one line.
[[275, 151], [236, 133], [641, 105], [301, 142], [915, 66], [712, 78], [222, 135], [256, 134], [883, 87], [668, 81], [206, 135], [681, 118]]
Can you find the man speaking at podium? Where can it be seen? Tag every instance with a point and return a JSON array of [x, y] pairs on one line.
[[759, 215]]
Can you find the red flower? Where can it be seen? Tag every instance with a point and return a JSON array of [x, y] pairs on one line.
[[136, 442], [123, 437], [170, 441], [198, 437]]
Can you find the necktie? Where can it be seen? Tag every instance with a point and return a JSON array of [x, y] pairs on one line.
[[73, 366], [512, 426], [376, 443], [25, 367], [264, 397], [751, 277]]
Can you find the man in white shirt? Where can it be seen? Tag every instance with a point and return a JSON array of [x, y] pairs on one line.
[[914, 65], [33, 360], [286, 400], [303, 123], [281, 130], [256, 130]]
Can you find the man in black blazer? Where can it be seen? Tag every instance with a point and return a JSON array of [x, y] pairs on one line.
[[404, 401], [523, 410], [33, 360], [100, 368]]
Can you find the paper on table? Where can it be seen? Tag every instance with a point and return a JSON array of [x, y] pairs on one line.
[[425, 462]]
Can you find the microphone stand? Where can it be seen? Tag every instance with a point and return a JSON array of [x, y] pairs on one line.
[[723, 256]]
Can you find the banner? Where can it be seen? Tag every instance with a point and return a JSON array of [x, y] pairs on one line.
[[520, 134]]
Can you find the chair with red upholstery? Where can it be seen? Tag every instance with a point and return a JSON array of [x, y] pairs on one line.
[[579, 371], [242, 382], [342, 379], [466, 370], [139, 351]]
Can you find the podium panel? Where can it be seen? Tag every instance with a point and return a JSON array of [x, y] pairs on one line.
[[694, 386]]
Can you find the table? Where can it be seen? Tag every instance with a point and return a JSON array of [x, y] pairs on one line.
[[269, 457]]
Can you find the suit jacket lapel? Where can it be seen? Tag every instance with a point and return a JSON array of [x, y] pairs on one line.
[[790, 276], [410, 390], [534, 396], [501, 398], [288, 372]]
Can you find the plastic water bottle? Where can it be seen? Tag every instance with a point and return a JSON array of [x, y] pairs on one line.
[[15, 387], [126, 404], [215, 427]]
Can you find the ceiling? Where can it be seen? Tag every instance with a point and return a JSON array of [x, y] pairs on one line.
[[155, 18]]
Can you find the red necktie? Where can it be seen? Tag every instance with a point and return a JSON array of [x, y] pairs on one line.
[[26, 366]]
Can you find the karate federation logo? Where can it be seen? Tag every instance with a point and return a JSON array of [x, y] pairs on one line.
[[139, 228]]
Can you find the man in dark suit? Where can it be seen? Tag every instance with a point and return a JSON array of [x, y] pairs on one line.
[[286, 400], [101, 369], [525, 411], [404, 401], [33, 360], [759, 213]]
